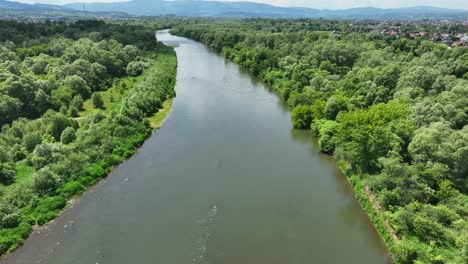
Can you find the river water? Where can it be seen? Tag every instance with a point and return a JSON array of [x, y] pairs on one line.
[[226, 180]]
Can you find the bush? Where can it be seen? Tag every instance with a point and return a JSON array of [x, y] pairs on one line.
[[7, 242], [7, 174], [19, 155], [428, 230], [114, 159], [388, 198], [32, 140], [48, 208], [10, 221], [407, 252], [73, 111], [135, 68], [71, 189], [335, 105], [49, 204], [45, 181], [302, 117], [86, 180], [68, 135], [96, 171], [97, 100]]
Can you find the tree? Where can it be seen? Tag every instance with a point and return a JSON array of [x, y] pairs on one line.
[[77, 102], [68, 135], [97, 100], [302, 116], [135, 68], [45, 181], [371, 134], [335, 105], [31, 140], [78, 86], [9, 109], [7, 174], [58, 122]]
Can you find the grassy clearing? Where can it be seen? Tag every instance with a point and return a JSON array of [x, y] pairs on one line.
[[112, 97], [24, 173]]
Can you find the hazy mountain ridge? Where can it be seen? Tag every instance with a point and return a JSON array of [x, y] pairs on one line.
[[21, 6], [198, 8], [251, 9], [12, 9]]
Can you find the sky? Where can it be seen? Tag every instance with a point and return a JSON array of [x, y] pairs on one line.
[[321, 4]]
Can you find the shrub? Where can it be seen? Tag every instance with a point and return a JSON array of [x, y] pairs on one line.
[[86, 180], [7, 174], [70, 189], [50, 203], [68, 135], [73, 111], [32, 140], [96, 171], [135, 68], [97, 100], [45, 181], [10, 221], [302, 117]]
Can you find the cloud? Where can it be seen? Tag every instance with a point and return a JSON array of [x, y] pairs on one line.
[[329, 4]]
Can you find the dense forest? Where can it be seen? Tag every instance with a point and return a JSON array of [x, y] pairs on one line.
[[76, 99], [393, 111]]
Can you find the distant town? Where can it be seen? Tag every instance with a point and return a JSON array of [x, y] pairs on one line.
[[450, 33]]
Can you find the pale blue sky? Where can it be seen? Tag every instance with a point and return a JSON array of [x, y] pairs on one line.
[[329, 4]]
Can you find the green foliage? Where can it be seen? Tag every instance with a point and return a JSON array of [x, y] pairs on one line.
[[71, 189], [7, 174], [135, 68], [45, 181], [45, 153], [370, 134], [96, 171], [31, 140], [394, 109], [68, 135], [325, 130], [302, 116], [58, 122], [335, 105], [98, 102]]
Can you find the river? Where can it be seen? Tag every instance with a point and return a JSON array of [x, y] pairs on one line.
[[226, 180]]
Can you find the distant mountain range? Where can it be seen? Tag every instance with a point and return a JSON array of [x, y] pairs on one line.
[[20, 6], [201, 8], [16, 9], [250, 9]]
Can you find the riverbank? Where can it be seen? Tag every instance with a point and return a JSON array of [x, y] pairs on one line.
[[157, 120], [370, 205], [124, 123], [362, 193]]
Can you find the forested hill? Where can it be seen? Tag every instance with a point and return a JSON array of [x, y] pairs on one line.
[[74, 102], [12, 9], [393, 111], [252, 9]]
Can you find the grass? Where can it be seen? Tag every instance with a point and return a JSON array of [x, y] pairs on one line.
[[112, 97], [23, 173], [157, 120], [24, 177]]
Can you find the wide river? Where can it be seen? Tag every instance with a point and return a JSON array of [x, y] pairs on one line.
[[226, 180]]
